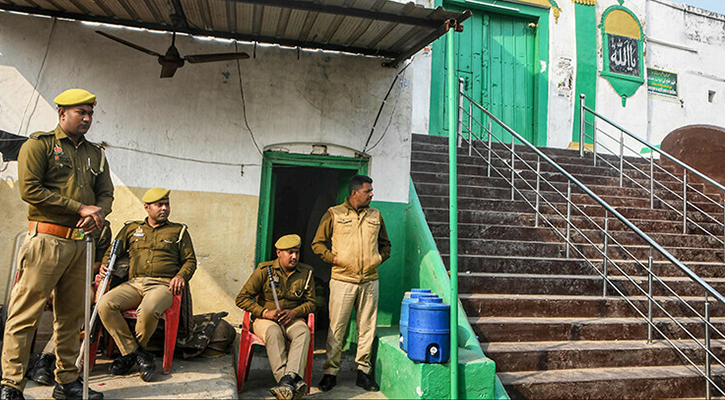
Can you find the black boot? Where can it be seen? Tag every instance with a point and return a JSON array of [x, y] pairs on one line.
[[10, 393], [285, 388], [74, 390], [123, 364], [300, 388], [366, 382], [42, 369], [328, 382], [146, 363]]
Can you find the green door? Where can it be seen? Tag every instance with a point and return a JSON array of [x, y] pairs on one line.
[[496, 59]]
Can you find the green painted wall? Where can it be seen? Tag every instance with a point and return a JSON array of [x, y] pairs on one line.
[[586, 66], [391, 273], [499, 56]]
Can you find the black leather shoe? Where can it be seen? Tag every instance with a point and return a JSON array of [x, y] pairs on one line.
[[366, 382], [123, 364], [42, 369], [146, 363], [74, 390], [300, 388], [328, 382], [285, 389], [10, 393]]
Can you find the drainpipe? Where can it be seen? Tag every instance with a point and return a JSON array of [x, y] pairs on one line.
[[453, 201]]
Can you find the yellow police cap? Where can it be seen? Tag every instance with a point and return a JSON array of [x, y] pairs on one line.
[[74, 97], [287, 242], [155, 194]]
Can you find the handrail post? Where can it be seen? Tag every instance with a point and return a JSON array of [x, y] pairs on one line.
[[708, 363], [582, 124], [621, 158], [594, 139], [488, 170], [459, 130], [606, 252], [538, 189], [513, 171], [684, 201], [453, 209], [470, 128], [649, 297], [568, 217], [651, 179]]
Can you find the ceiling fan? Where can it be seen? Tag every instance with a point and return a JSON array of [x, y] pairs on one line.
[[172, 60]]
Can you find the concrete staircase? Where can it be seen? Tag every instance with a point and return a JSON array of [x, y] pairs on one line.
[[541, 316]]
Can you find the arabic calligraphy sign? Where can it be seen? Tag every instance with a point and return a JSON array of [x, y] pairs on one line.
[[623, 55], [661, 82]]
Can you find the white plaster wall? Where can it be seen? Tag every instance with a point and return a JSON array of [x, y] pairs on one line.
[[562, 65], [319, 98]]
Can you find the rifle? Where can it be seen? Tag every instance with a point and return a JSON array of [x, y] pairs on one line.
[[101, 290]]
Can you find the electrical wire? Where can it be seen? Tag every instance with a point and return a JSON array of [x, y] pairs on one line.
[[244, 103], [382, 106], [37, 79], [111, 146]]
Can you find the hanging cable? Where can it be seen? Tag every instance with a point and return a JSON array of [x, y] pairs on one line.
[[382, 106], [111, 146], [244, 104], [37, 79]]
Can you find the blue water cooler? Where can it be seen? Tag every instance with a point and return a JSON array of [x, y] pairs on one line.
[[429, 333], [404, 312]]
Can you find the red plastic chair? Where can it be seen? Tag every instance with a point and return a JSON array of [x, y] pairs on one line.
[[171, 328], [249, 339]]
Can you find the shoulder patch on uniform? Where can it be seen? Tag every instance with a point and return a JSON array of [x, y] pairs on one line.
[[100, 146], [131, 221], [263, 265]]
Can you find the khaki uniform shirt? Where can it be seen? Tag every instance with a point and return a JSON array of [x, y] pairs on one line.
[[295, 292], [161, 252], [357, 237], [56, 177]]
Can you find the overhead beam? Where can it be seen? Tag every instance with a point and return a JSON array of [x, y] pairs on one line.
[[430, 38], [201, 32], [344, 11]]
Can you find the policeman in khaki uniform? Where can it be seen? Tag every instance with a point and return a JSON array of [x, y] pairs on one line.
[[359, 244], [162, 261], [295, 288], [67, 184]]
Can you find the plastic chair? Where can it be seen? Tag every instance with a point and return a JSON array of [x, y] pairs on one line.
[[249, 339], [171, 328]]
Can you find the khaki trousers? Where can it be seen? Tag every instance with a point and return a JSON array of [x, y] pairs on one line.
[[343, 297], [45, 262], [150, 297], [281, 360]]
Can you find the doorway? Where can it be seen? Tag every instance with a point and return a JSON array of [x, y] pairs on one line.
[[296, 190]]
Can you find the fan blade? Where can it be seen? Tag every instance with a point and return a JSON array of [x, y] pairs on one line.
[[129, 44], [168, 70], [201, 58]]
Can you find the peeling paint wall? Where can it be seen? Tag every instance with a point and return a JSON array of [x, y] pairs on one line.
[[189, 133]]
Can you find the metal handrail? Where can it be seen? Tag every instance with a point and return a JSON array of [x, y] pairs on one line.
[[688, 172], [608, 240]]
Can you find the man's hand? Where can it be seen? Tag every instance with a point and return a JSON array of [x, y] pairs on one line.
[[334, 261], [270, 314], [103, 271], [177, 284], [284, 317], [92, 218]]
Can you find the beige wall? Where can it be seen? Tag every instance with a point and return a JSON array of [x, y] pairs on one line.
[[222, 228]]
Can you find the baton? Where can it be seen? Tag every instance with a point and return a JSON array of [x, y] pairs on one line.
[[87, 317], [100, 292], [274, 288]]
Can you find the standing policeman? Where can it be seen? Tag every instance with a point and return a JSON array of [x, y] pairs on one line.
[[66, 182], [359, 245]]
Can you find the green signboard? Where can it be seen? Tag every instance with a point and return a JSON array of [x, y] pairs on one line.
[[661, 83]]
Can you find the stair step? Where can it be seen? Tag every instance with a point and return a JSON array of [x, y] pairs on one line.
[[606, 383], [510, 329], [595, 306], [547, 356]]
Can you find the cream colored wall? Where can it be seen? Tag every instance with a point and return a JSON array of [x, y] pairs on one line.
[[222, 228]]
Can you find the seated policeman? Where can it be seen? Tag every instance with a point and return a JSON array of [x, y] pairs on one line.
[[295, 287], [162, 262]]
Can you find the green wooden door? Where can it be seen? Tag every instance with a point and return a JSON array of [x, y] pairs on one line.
[[496, 58]]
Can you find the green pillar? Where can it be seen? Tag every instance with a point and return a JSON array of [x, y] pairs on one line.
[[453, 202], [586, 64]]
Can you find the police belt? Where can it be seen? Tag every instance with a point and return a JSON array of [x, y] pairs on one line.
[[57, 230]]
